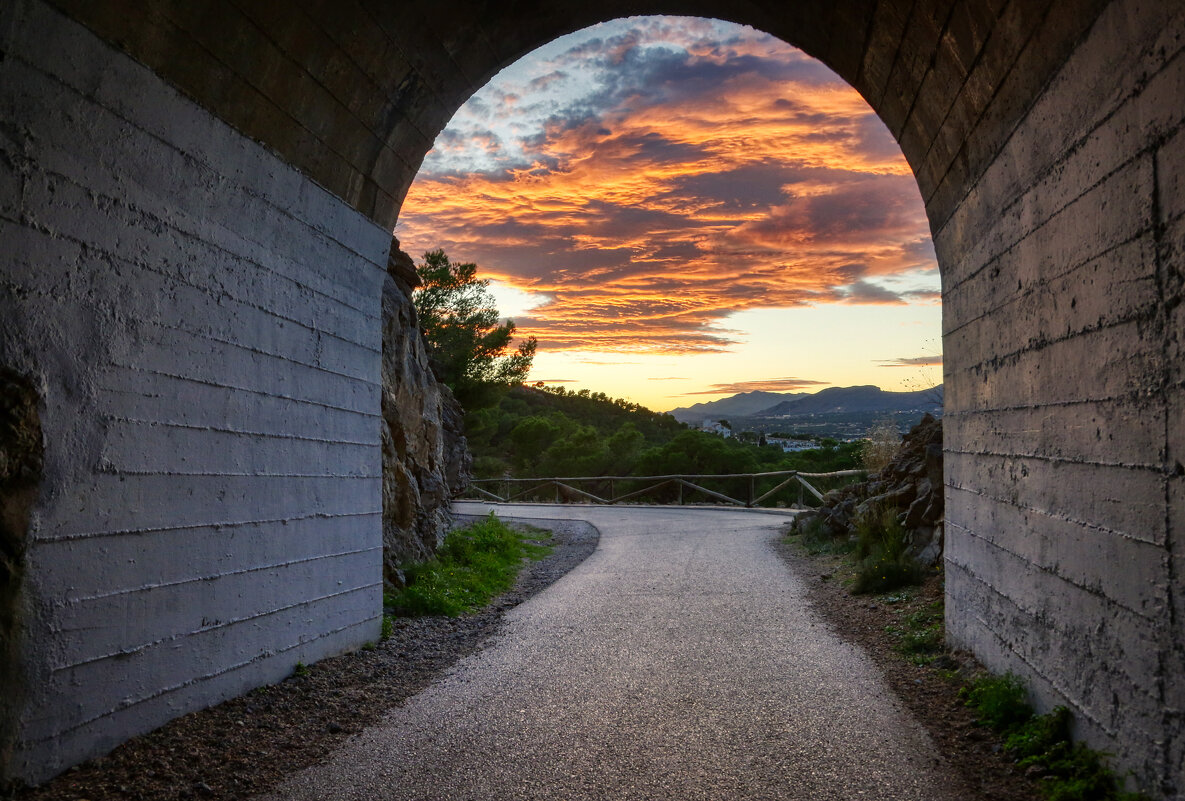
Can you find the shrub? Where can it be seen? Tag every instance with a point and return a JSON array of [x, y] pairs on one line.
[[880, 444], [884, 564]]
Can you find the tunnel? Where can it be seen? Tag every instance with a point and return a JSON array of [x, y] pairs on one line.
[[197, 201]]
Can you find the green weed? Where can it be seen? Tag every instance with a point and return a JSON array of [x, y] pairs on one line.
[[1069, 771], [921, 637], [1001, 702], [388, 627], [880, 546], [922, 646], [301, 669], [472, 566]]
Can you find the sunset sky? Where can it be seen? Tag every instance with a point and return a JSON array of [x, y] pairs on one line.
[[682, 209]]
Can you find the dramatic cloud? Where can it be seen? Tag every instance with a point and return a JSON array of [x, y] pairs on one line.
[[765, 385], [649, 178]]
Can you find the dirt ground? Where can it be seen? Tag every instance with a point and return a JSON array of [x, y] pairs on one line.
[[930, 692], [245, 746]]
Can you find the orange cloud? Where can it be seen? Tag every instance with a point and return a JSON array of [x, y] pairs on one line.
[[732, 174]]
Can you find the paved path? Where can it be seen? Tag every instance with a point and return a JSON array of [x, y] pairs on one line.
[[678, 661]]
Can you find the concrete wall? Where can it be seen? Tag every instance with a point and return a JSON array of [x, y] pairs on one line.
[[1065, 437], [202, 324]]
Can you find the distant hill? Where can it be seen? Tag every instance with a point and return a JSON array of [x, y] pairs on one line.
[[853, 400], [743, 405]]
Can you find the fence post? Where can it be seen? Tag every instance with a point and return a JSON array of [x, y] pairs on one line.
[[800, 498], [752, 491], [612, 491], [679, 484]]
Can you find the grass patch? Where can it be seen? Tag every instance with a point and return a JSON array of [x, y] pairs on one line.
[[921, 637], [473, 565], [1068, 771], [880, 546]]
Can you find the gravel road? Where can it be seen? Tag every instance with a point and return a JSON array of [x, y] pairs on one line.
[[680, 660]]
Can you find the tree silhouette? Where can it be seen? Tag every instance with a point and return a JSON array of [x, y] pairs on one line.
[[460, 323]]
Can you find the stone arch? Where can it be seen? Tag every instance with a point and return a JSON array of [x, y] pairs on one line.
[[356, 96], [1046, 138]]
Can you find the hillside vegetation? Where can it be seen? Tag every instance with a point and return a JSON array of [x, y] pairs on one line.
[[552, 432]]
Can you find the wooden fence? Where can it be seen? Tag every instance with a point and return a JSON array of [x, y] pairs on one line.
[[754, 488]]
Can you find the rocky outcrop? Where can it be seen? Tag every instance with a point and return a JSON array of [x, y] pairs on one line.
[[426, 459], [910, 487], [21, 456]]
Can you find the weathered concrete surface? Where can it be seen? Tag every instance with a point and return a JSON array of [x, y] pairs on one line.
[[201, 324], [1047, 142], [680, 660], [1063, 369]]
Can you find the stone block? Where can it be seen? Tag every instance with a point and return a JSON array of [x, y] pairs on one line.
[[916, 58], [888, 28]]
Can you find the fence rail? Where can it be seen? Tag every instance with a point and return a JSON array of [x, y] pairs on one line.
[[755, 487]]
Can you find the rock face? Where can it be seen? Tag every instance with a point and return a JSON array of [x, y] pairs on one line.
[[21, 455], [911, 485], [426, 458]]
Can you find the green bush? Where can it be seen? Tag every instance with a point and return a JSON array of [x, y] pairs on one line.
[[884, 563], [1001, 702], [472, 566]]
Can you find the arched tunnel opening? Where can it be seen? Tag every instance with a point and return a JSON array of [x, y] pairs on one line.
[[662, 188], [197, 201], [685, 209]]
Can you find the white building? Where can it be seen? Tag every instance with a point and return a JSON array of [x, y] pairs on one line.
[[716, 427]]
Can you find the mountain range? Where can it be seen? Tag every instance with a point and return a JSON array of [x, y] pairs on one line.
[[833, 400], [745, 404]]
